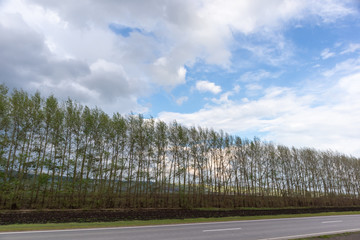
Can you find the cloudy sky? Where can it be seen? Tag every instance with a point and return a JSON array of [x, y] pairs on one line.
[[287, 71]]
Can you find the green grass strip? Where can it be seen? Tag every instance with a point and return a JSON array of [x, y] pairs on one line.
[[60, 226], [329, 236]]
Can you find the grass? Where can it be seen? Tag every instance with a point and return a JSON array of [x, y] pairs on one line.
[[258, 208], [60, 226], [329, 236]]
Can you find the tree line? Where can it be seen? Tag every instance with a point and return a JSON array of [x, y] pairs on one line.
[[65, 155]]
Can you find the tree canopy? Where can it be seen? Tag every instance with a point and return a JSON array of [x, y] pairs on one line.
[[65, 155]]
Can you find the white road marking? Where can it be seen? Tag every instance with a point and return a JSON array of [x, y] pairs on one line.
[[220, 230], [333, 221], [312, 234], [175, 225]]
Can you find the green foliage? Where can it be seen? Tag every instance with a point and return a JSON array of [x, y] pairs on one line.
[[67, 155]]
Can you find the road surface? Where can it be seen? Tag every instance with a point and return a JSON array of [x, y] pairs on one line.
[[271, 229]]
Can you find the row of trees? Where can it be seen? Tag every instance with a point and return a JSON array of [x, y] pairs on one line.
[[65, 155]]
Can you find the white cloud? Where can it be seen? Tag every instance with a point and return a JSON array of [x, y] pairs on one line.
[[181, 100], [257, 76], [345, 67], [253, 87], [244, 116], [353, 47], [224, 98], [331, 10], [168, 74], [351, 85], [325, 54], [288, 118], [198, 31], [275, 50], [31, 61], [56, 45], [206, 86]]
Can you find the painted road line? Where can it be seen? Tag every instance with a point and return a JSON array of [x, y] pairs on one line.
[[220, 230], [333, 221], [174, 225], [312, 234]]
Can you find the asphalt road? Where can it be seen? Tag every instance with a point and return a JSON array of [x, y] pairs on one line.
[[272, 229]]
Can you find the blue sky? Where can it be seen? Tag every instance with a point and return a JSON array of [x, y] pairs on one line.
[[287, 71]]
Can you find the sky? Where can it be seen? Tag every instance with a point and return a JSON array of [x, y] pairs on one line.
[[287, 71]]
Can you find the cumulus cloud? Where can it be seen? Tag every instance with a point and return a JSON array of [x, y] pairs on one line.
[[198, 31], [206, 86], [168, 74], [284, 116], [27, 62], [224, 98], [22, 62], [42, 52], [55, 45]]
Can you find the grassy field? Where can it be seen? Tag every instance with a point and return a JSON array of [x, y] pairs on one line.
[[59, 226]]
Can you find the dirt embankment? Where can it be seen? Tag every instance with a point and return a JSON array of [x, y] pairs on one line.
[[62, 216]]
